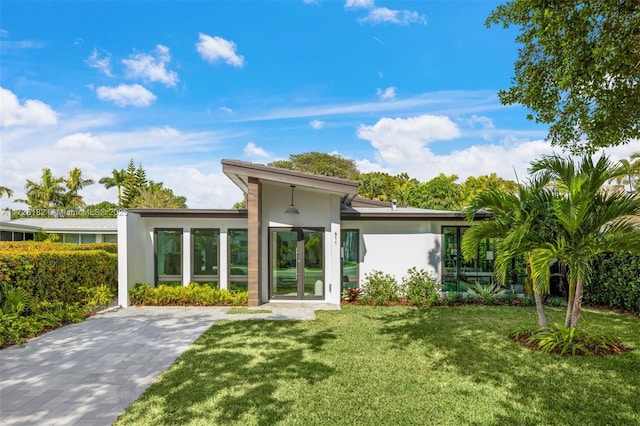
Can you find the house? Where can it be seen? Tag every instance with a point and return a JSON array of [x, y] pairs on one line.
[[302, 237], [68, 230]]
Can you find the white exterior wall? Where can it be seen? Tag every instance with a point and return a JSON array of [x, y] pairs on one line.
[[317, 210], [395, 246], [138, 232]]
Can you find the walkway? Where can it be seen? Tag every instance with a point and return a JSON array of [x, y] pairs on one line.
[[88, 373]]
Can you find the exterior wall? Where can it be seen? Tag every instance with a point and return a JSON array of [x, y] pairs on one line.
[[317, 210], [394, 246], [139, 255]]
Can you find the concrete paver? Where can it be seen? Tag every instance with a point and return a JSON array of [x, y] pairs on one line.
[[88, 373]]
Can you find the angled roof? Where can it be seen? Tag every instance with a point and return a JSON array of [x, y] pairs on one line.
[[77, 225], [240, 172], [192, 213]]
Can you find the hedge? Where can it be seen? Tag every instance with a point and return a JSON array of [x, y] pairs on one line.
[[195, 294], [56, 272], [616, 282]]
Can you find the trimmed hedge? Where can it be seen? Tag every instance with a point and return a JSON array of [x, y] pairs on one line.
[[57, 272], [616, 282], [195, 294]]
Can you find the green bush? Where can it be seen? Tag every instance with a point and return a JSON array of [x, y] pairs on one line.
[[56, 272], [194, 294], [380, 288], [419, 287], [615, 282], [452, 298], [487, 294]]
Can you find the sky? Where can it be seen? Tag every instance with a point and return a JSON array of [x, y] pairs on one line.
[[396, 86]]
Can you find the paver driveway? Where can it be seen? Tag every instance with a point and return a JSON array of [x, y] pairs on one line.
[[88, 373]]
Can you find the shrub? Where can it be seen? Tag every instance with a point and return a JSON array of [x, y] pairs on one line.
[[97, 297], [452, 298], [380, 288], [194, 294], [351, 294], [528, 300], [419, 287], [615, 282], [556, 301], [487, 294]]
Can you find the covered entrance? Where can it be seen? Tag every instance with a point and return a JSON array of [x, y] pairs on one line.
[[296, 259]]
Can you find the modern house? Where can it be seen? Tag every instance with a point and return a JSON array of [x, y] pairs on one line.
[[68, 230], [302, 237]]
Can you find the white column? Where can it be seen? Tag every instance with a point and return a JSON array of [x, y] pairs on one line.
[[223, 265], [186, 256]]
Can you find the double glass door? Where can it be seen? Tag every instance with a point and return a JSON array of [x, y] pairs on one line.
[[296, 263]]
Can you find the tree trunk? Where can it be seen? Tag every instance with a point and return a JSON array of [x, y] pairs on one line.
[[542, 318], [572, 295], [577, 304]]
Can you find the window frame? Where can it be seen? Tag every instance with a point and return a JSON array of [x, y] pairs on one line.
[[342, 274], [210, 277], [235, 277], [167, 278]]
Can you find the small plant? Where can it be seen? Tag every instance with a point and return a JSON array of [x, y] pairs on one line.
[[489, 294], [380, 288], [96, 297], [556, 301], [351, 294], [419, 287], [452, 298], [528, 300]]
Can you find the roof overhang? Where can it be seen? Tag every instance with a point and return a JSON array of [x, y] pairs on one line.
[[405, 214], [240, 171], [191, 213]]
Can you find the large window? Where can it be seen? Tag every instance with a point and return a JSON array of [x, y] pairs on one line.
[[168, 254], [110, 238], [205, 256], [238, 255], [459, 274], [350, 258]]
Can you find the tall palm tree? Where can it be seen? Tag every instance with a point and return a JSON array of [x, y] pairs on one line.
[[519, 222], [75, 182], [5, 190], [116, 179], [46, 193], [589, 221]]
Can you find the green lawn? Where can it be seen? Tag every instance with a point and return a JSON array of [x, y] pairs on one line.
[[394, 366]]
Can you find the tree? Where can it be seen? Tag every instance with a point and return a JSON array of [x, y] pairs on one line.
[[440, 193], [158, 198], [116, 179], [578, 69], [44, 194], [75, 182], [5, 190], [385, 187], [589, 221], [475, 185], [520, 222], [319, 163]]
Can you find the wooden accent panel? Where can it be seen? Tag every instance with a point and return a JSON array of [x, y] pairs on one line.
[[254, 211]]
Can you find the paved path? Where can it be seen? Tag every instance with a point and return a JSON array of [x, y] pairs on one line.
[[88, 373]]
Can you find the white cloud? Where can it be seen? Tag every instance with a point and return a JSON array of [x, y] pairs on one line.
[[225, 109], [79, 141], [30, 113], [126, 94], [383, 15], [316, 124], [251, 150], [386, 94], [21, 44], [310, 1], [213, 49], [359, 4], [4, 33], [151, 67], [100, 62]]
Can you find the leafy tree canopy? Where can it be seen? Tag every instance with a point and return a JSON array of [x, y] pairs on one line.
[[578, 69], [320, 163]]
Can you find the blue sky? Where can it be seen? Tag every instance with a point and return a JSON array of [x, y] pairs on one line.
[[397, 86]]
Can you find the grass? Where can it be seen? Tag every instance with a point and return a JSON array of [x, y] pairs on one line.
[[394, 366], [245, 310]]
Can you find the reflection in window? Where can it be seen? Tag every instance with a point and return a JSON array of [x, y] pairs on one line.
[[205, 254], [168, 254], [238, 259], [350, 239], [110, 238], [459, 274]]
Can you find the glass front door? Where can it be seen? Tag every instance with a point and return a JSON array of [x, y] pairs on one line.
[[297, 264]]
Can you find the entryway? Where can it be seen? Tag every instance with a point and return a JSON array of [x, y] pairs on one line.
[[296, 265]]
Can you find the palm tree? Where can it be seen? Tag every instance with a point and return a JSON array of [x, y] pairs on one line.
[[520, 223], [46, 193], [75, 182], [588, 221], [5, 190], [116, 179]]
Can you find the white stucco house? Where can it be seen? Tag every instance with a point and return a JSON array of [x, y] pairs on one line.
[[302, 237], [68, 230]]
